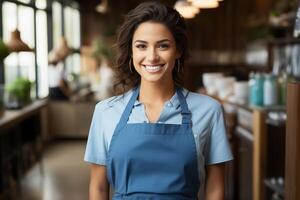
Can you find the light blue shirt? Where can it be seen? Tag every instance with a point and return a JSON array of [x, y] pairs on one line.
[[207, 124]]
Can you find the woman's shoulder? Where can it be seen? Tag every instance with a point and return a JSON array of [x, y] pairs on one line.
[[114, 102], [197, 100]]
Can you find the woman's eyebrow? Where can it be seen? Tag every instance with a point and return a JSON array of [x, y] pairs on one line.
[[140, 41], [160, 41], [164, 40]]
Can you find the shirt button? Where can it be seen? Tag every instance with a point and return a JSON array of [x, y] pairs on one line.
[[169, 104]]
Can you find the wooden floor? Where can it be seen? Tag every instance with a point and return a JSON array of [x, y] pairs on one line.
[[62, 175]]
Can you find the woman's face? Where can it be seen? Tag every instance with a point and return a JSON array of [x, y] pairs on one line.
[[154, 52]]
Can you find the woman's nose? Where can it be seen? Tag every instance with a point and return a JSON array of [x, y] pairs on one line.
[[152, 55]]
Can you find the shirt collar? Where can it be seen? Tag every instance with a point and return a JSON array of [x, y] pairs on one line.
[[137, 103], [173, 102]]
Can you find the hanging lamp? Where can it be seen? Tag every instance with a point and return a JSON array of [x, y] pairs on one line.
[[60, 52], [102, 7], [205, 4], [15, 44], [186, 9]]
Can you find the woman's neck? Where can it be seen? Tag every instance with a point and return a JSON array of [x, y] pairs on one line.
[[154, 93]]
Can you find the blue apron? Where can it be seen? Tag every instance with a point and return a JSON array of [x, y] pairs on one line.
[[153, 161]]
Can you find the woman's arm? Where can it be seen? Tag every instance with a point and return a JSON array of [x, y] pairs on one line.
[[99, 186], [214, 189]]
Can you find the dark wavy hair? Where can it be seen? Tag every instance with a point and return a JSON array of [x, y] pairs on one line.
[[154, 12]]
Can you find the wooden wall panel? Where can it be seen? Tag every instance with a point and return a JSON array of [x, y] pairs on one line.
[[292, 159], [222, 28]]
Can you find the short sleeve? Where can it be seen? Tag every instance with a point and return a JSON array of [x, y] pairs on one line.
[[218, 148], [96, 148]]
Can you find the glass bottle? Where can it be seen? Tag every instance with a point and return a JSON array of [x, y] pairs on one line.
[[257, 90], [282, 85], [270, 90], [251, 83]]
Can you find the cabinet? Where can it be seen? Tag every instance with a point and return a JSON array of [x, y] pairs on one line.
[[21, 145], [274, 181], [244, 162], [259, 151], [70, 119]]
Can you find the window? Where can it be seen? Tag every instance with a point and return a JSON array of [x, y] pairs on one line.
[[26, 27], [41, 4], [25, 1], [31, 18], [57, 22], [72, 33], [42, 52], [22, 18], [9, 10]]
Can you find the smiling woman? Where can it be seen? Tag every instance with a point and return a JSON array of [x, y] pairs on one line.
[[154, 52], [166, 18], [158, 140]]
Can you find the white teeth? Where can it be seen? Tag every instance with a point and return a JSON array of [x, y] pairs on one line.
[[153, 68]]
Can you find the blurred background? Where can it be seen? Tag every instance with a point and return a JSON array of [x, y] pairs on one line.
[[56, 63]]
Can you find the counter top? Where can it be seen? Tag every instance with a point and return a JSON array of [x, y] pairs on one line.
[[11, 117], [247, 106]]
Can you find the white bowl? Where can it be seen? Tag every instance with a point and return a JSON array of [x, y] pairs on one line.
[[209, 81], [241, 89], [224, 86]]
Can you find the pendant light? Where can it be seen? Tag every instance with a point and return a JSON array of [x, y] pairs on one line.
[[186, 9], [205, 4], [60, 53], [102, 7], [15, 44]]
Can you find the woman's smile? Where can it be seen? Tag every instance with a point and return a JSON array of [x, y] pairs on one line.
[[153, 68]]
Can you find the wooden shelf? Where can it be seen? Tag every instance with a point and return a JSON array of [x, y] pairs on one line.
[[11, 117], [284, 41], [20, 144]]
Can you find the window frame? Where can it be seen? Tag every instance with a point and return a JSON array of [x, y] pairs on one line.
[[48, 10]]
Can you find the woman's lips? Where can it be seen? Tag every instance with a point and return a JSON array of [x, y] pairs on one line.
[[153, 68]]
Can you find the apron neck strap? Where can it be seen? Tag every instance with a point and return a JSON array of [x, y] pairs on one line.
[[186, 114], [127, 111]]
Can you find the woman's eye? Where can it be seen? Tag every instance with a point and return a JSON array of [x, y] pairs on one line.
[[163, 46], [140, 46]]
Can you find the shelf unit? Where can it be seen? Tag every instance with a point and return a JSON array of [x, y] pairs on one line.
[[255, 142], [21, 145]]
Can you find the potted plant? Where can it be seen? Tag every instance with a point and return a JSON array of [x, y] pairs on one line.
[[18, 93]]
